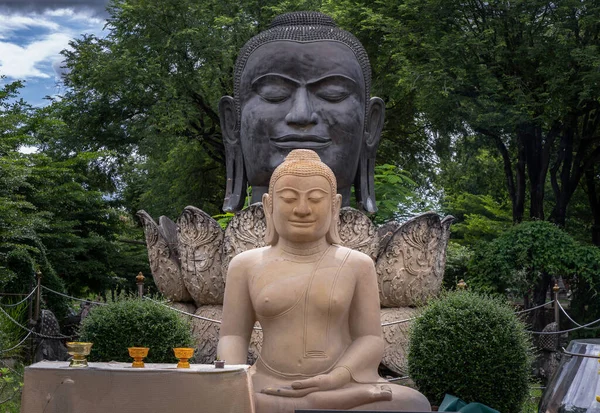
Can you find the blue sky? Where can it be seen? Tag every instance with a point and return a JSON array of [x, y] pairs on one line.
[[32, 34]]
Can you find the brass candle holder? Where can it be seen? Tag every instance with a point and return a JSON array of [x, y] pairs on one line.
[[183, 354], [138, 354], [79, 350]]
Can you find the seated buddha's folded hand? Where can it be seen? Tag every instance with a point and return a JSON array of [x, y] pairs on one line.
[[335, 379]]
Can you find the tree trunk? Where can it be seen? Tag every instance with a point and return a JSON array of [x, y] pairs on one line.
[[594, 197], [515, 186], [539, 297], [519, 200], [531, 137]]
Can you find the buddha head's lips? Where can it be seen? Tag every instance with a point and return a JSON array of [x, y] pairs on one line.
[[295, 141]]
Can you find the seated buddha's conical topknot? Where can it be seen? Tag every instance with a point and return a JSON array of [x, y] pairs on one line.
[[303, 162], [302, 155]]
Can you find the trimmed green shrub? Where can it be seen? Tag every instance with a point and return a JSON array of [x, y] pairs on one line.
[[471, 346], [135, 323]]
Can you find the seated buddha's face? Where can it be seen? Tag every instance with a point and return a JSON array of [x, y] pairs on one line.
[[302, 95]]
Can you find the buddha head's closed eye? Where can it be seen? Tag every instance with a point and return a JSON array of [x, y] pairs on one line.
[[303, 83], [302, 203]]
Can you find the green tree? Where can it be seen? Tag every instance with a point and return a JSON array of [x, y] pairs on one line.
[[522, 74], [524, 260], [53, 215]]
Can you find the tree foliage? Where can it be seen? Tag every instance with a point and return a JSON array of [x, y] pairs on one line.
[[522, 74], [54, 215], [524, 260]]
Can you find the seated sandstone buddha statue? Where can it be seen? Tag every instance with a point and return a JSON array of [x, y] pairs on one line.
[[317, 303]]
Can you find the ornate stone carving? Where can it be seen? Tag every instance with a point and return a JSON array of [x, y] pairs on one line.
[[409, 258], [396, 338], [161, 241], [206, 333], [245, 231], [411, 267], [199, 243], [358, 232]]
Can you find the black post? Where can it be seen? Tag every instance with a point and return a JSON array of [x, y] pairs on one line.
[[38, 296]]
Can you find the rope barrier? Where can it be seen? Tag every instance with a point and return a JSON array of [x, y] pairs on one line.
[[20, 302], [14, 347], [534, 308], [399, 378], [573, 321], [61, 337], [564, 331], [184, 312], [398, 322], [71, 297]]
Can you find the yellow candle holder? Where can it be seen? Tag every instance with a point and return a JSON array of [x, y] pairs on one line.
[[138, 354], [183, 354], [79, 350]]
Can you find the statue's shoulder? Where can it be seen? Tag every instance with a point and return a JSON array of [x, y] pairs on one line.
[[249, 258], [352, 256]]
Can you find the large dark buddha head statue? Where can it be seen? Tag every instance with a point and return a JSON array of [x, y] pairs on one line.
[[302, 84]]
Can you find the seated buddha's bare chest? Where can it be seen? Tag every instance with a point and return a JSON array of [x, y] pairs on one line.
[[278, 287]]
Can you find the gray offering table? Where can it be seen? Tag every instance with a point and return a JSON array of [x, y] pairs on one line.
[[53, 387]]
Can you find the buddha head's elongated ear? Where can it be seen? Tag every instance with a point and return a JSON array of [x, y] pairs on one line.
[[333, 235], [364, 183], [271, 236], [235, 190]]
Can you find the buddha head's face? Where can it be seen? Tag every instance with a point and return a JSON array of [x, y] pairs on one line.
[[302, 204], [303, 84], [297, 95]]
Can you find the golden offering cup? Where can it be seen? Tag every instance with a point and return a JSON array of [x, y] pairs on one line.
[[79, 350], [183, 354], [138, 354]]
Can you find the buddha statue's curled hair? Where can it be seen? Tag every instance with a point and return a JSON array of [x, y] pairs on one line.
[[304, 163], [302, 26]]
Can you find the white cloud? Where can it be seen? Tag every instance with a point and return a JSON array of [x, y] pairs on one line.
[[19, 62], [11, 23], [59, 13], [85, 16], [30, 45]]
